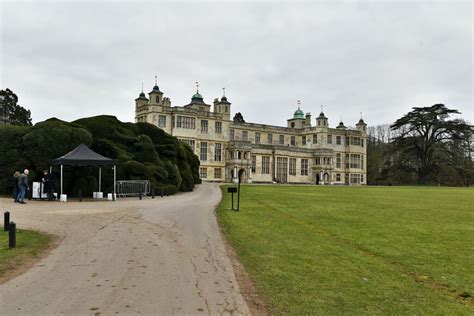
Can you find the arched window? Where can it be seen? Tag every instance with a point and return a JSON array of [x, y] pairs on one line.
[[157, 99], [239, 155]]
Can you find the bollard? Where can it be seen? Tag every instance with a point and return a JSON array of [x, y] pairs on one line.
[[80, 195], [140, 195], [6, 220], [30, 193], [153, 192], [12, 235], [161, 192]]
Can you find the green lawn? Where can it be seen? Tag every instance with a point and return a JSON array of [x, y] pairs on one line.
[[353, 250], [29, 245]]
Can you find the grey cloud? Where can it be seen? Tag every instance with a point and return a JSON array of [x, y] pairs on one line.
[[79, 58]]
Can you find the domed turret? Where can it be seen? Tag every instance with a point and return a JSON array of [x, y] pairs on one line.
[[361, 126], [224, 98], [341, 125], [155, 95], [222, 106], [298, 114], [197, 98], [322, 120], [156, 89], [142, 96], [298, 120]]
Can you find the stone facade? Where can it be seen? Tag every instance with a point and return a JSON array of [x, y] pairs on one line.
[[298, 153]]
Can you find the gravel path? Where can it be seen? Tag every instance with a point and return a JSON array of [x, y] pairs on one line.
[[154, 256]]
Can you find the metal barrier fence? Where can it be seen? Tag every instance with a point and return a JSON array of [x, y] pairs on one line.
[[133, 188]]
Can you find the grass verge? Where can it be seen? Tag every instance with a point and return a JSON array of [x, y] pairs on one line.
[[352, 250], [30, 247]]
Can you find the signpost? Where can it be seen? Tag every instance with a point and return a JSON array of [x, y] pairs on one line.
[[232, 190]]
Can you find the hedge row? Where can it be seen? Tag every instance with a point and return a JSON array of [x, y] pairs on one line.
[[142, 151]]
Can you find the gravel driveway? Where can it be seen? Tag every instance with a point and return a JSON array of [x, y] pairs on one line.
[[154, 256]]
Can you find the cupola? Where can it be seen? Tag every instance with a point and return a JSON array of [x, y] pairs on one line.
[[156, 95], [197, 97], [361, 126], [298, 114], [341, 125], [141, 97], [322, 120], [298, 120]]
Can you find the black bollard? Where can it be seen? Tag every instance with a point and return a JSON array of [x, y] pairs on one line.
[[152, 192], [12, 235], [80, 195], [30, 193], [140, 195], [6, 220], [161, 192]]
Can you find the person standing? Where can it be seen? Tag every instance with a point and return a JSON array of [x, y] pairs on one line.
[[16, 175], [48, 182], [23, 186]]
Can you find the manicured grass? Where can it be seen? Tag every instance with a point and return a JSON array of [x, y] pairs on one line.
[[29, 245], [353, 250]]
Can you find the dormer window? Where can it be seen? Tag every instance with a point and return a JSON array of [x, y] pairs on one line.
[[158, 99]]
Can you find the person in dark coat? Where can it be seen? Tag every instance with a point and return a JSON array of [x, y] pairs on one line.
[[16, 189], [48, 182]]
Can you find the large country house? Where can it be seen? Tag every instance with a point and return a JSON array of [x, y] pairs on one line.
[[298, 153]]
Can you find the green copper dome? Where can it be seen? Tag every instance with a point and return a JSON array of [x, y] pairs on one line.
[[197, 98], [298, 114]]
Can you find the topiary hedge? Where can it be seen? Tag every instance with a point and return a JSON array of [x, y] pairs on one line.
[[142, 151]]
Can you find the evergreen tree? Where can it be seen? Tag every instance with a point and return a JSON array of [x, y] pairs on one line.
[[238, 118], [11, 112], [425, 136]]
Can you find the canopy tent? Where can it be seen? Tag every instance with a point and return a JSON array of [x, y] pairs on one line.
[[84, 156]]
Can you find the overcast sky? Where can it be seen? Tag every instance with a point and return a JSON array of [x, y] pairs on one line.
[[74, 59]]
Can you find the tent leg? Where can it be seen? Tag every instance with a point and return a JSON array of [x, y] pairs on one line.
[[61, 179], [100, 179], [115, 180]]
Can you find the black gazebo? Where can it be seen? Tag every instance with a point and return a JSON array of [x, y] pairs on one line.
[[84, 156]]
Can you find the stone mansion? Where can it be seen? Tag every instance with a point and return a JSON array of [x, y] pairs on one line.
[[298, 153]]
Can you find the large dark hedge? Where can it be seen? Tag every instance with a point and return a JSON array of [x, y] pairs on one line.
[[143, 152]]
